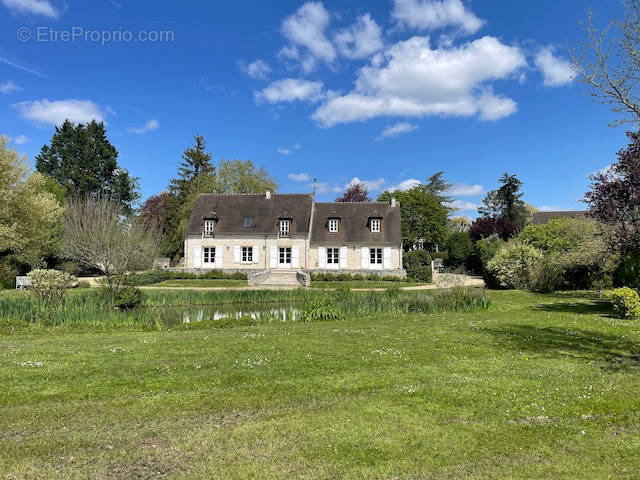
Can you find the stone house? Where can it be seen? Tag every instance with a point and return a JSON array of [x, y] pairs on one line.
[[257, 233]]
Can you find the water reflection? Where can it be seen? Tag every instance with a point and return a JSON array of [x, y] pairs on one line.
[[175, 316]]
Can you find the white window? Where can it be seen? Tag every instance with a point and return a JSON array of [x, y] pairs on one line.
[[333, 256], [284, 228], [247, 254], [209, 255], [375, 225], [375, 255], [208, 228], [334, 225]]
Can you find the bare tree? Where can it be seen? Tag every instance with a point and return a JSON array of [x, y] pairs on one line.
[[98, 234], [608, 61]]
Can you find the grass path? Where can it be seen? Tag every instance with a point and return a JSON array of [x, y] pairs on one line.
[[536, 387]]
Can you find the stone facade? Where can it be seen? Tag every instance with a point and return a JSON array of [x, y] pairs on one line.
[[246, 236]]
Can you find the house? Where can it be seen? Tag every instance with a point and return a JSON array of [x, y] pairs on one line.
[[258, 233], [541, 218]]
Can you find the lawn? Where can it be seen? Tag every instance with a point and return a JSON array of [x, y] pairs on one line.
[[224, 283], [358, 284], [537, 386]]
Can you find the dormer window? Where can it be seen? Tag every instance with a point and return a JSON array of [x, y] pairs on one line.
[[285, 226], [334, 225], [248, 222], [208, 228], [374, 224]]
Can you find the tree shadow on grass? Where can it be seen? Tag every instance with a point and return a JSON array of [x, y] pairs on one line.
[[582, 308], [614, 351]]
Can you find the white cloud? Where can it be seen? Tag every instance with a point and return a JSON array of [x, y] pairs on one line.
[[372, 185], [33, 7], [290, 90], [405, 185], [556, 71], [56, 112], [324, 187], [258, 69], [397, 129], [410, 78], [288, 150], [463, 205], [299, 177], [464, 190], [360, 40], [152, 124], [9, 87], [433, 14], [306, 28], [19, 140]]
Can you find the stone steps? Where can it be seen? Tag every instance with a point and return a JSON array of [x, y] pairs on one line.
[[284, 278]]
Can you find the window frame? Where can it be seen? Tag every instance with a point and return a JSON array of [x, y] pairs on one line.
[[285, 253], [246, 254], [378, 223], [336, 222], [208, 232], [248, 222], [333, 256], [375, 256], [284, 232], [208, 255]]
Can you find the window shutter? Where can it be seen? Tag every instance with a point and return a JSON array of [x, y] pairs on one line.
[[273, 261], [322, 257], [236, 254], [365, 258], [197, 257], [256, 249], [387, 258], [295, 257], [344, 251], [219, 257]]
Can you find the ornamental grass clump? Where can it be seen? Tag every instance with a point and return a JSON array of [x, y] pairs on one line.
[[49, 288], [626, 303]]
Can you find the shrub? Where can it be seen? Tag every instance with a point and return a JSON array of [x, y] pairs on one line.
[[459, 247], [8, 274], [548, 274], [127, 297], [49, 287], [628, 271], [417, 263], [514, 264], [485, 227], [626, 302], [72, 268], [319, 311]]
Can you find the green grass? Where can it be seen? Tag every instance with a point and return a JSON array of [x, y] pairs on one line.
[[202, 283], [538, 386]]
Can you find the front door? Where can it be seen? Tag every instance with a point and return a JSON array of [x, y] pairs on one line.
[[284, 257]]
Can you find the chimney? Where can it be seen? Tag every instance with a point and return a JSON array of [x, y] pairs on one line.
[[393, 202], [267, 195]]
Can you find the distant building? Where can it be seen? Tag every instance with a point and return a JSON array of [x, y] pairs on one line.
[[265, 232], [541, 218]]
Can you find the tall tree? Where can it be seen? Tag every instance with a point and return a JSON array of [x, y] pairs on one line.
[[238, 176], [196, 162], [614, 198], [83, 161], [506, 202], [423, 217], [355, 192], [608, 62], [29, 213], [155, 211], [438, 186]]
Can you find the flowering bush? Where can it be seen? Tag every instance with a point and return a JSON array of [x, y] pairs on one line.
[[514, 264], [49, 287], [626, 302]]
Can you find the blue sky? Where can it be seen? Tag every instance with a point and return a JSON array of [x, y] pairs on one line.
[[388, 91]]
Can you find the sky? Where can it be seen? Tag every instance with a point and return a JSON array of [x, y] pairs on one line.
[[385, 92]]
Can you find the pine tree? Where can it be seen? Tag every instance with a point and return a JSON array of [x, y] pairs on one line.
[[196, 162], [82, 160]]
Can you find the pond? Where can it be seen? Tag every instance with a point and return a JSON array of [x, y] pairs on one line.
[[248, 314]]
